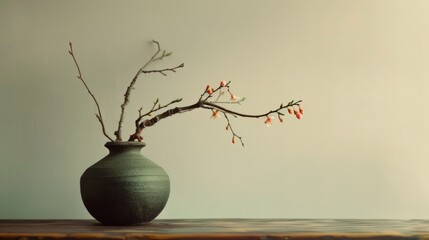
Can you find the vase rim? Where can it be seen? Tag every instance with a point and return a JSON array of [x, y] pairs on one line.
[[125, 143]]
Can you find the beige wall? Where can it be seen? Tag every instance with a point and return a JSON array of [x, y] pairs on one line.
[[361, 68]]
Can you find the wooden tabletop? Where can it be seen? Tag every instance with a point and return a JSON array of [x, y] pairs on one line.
[[265, 229]]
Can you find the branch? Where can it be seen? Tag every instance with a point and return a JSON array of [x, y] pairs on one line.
[[210, 105], [153, 109], [229, 127], [155, 57], [210, 91], [162, 71], [205, 105], [98, 115], [157, 118]]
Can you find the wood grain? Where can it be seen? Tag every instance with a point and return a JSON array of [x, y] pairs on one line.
[[236, 229]]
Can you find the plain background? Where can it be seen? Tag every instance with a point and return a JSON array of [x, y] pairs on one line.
[[360, 67]]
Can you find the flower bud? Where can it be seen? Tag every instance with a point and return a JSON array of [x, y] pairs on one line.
[[289, 110], [210, 90], [301, 110], [222, 83], [268, 121], [215, 114]]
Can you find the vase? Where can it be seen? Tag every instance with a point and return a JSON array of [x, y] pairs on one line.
[[124, 188]]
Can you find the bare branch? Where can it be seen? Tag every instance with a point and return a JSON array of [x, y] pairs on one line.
[[162, 71], [155, 57], [157, 118], [153, 109], [99, 116]]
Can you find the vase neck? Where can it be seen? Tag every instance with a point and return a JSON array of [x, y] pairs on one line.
[[116, 147]]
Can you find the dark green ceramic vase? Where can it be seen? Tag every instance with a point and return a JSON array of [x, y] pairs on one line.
[[124, 188]]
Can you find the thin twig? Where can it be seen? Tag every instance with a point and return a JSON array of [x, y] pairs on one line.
[[162, 71], [230, 102], [229, 127], [98, 115]]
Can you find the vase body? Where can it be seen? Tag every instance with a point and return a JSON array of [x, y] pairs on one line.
[[124, 188]]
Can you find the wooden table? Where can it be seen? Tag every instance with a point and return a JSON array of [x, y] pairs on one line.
[[264, 229]]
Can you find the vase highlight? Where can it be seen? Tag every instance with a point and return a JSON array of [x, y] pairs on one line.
[[125, 188]]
